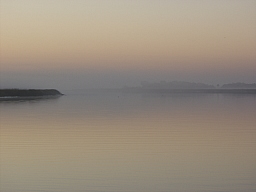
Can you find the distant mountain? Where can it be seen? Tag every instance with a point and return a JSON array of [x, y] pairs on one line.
[[181, 87], [175, 85], [239, 86]]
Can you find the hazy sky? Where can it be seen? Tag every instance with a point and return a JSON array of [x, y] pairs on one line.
[[109, 43]]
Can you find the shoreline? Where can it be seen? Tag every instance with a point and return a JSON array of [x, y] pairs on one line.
[[27, 94], [190, 91]]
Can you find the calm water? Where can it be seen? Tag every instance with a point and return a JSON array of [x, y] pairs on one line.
[[116, 142]]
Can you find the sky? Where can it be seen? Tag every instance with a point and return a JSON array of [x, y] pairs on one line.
[[112, 43]]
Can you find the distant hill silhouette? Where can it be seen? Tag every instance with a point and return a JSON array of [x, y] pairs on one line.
[[182, 87], [239, 86], [175, 85]]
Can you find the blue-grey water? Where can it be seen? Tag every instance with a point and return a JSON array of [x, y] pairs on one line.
[[119, 142]]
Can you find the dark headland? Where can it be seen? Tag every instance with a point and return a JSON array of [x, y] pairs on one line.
[[29, 93]]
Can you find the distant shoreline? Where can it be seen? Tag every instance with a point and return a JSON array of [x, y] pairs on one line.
[[13, 94], [190, 91]]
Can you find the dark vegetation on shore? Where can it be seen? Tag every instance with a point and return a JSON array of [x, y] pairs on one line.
[[29, 92]]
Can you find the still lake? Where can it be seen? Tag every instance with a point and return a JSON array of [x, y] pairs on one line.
[[88, 141]]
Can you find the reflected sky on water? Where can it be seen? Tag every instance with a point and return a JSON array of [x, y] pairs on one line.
[[114, 141]]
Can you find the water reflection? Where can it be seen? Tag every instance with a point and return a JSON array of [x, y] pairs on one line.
[[129, 142], [27, 99]]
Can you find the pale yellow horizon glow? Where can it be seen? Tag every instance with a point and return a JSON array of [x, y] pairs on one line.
[[127, 34]]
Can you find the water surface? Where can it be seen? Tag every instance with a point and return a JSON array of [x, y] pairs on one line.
[[94, 142]]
